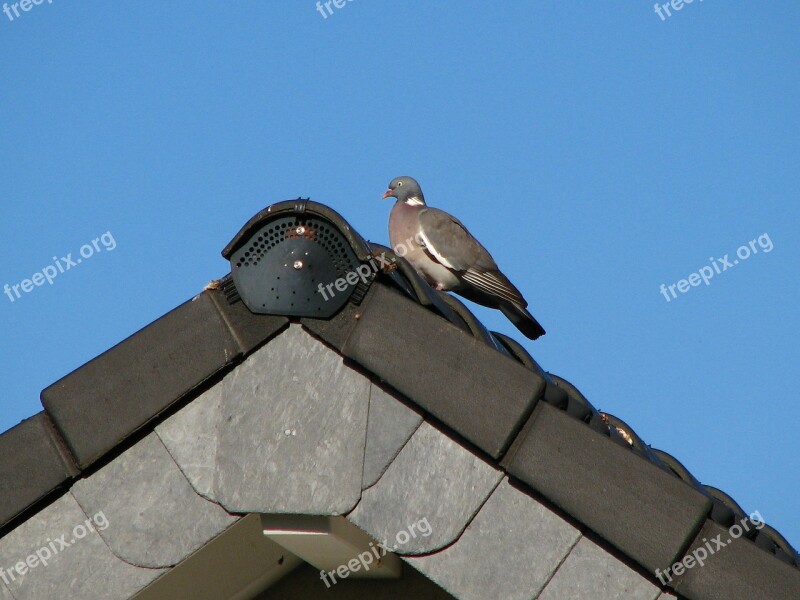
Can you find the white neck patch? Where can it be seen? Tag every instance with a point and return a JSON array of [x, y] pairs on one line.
[[414, 201]]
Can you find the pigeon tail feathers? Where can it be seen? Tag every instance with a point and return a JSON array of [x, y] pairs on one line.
[[522, 320]]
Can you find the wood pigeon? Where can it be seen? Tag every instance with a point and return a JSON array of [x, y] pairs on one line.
[[442, 250]]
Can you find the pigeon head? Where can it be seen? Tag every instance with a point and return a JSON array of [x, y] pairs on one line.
[[405, 189]]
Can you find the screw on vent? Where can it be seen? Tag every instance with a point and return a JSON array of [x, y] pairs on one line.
[[278, 270]]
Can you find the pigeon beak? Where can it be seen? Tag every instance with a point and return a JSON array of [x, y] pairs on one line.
[[387, 193]]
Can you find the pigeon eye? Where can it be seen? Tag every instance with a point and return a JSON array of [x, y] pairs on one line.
[[399, 184]]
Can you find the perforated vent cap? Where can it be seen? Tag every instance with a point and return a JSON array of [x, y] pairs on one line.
[[291, 266]]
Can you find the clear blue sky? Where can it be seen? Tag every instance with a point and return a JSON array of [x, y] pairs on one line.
[[596, 149]]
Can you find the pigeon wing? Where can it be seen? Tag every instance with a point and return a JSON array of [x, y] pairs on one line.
[[448, 242]]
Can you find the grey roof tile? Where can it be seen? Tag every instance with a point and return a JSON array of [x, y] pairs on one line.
[[589, 572], [248, 329], [336, 330], [35, 449], [293, 430], [99, 405], [509, 551], [158, 519], [190, 435], [432, 478], [390, 425], [738, 570], [629, 501], [85, 569], [480, 392]]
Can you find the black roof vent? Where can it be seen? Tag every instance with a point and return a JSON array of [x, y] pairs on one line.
[[297, 258]]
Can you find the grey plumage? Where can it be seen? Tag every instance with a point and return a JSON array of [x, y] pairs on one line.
[[446, 254]]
